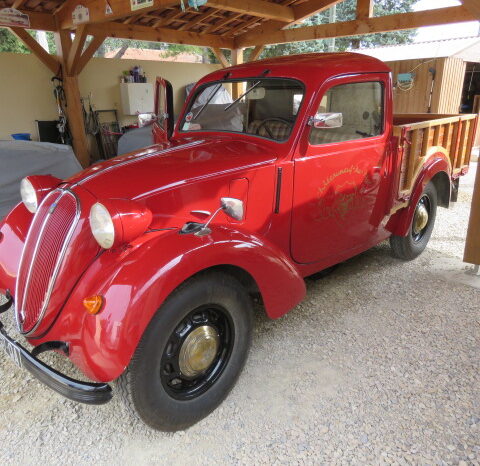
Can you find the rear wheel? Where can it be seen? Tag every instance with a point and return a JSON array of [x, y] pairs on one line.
[[191, 354], [410, 246]]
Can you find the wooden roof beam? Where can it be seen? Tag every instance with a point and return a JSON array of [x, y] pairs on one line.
[[364, 9], [133, 31], [40, 21], [48, 60], [259, 8], [473, 6], [76, 49], [396, 22], [301, 12], [120, 9], [92, 47]]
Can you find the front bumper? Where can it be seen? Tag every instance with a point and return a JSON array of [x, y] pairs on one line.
[[76, 390]]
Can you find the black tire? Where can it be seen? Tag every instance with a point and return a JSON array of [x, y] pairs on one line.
[[411, 246], [170, 405]]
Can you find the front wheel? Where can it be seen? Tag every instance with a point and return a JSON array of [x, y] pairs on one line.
[[410, 246], [191, 354]]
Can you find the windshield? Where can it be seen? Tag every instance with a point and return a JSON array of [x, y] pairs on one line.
[[265, 107]]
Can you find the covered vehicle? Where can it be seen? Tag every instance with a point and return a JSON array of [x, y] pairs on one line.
[[143, 269], [21, 158]]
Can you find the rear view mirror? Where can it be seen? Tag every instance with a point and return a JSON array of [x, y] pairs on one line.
[[256, 94], [326, 120]]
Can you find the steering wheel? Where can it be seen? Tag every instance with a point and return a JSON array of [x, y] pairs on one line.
[[264, 122]]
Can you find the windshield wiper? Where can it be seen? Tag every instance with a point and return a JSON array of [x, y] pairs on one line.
[[242, 96], [212, 95]]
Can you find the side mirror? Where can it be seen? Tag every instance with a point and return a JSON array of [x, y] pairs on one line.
[[326, 120], [145, 119], [232, 207]]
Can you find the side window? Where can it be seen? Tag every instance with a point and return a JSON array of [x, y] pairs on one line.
[[361, 106]]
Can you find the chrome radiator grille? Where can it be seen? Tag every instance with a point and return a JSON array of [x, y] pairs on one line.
[[45, 247]]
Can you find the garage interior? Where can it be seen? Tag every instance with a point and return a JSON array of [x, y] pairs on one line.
[[229, 25]]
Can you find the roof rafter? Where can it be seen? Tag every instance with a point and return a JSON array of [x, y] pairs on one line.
[[473, 6], [133, 31], [396, 22]]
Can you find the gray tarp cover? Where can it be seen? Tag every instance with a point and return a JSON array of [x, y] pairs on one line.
[[21, 158]]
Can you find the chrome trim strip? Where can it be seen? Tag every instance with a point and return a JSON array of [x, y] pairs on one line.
[[19, 303], [59, 261]]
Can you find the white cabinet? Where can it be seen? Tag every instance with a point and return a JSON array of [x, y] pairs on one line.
[[136, 98]]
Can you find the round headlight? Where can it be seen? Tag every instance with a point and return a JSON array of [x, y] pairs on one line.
[[29, 195], [102, 226]]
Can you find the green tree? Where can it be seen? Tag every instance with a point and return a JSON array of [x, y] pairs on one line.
[[10, 43], [346, 11]]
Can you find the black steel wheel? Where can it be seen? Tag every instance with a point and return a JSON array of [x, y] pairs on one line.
[[414, 243], [191, 353], [197, 352]]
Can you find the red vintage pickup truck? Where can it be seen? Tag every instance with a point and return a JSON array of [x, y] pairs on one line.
[[143, 269]]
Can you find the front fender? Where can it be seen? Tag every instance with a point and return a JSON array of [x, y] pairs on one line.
[[13, 233], [137, 280], [401, 222]]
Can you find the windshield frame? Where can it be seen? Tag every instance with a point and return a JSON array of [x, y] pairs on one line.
[[203, 86]]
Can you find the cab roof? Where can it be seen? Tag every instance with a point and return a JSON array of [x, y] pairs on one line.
[[305, 67]]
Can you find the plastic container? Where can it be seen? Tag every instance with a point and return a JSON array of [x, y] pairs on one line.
[[21, 136]]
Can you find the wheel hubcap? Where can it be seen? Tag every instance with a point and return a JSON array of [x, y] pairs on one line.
[[198, 350], [421, 218]]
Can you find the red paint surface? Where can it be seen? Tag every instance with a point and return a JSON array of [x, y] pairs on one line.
[[311, 230]]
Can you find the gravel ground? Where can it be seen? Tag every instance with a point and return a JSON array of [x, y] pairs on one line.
[[379, 365]]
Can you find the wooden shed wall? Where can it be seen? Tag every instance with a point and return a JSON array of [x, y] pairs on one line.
[[447, 85]]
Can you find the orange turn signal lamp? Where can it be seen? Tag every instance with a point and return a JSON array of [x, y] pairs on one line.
[[93, 304]]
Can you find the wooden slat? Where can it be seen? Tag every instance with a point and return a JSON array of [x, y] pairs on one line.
[[436, 135], [396, 22], [463, 143], [258, 8], [425, 141], [131, 31], [48, 60], [412, 155]]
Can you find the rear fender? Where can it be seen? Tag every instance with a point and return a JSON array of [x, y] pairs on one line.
[[136, 281], [437, 169]]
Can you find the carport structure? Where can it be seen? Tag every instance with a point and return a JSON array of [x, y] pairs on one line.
[[218, 24]]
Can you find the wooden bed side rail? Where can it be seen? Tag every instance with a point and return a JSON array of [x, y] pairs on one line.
[[453, 134]]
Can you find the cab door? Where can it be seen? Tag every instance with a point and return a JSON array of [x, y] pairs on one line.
[[340, 172], [163, 125]]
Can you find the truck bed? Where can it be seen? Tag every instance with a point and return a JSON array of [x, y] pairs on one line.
[[418, 134]]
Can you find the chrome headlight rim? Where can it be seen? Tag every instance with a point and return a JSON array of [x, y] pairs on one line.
[[102, 225], [29, 196]]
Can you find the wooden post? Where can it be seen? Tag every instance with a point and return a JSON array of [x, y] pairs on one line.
[[472, 244], [72, 95], [237, 59]]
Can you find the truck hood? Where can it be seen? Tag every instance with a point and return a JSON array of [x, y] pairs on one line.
[[157, 168]]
